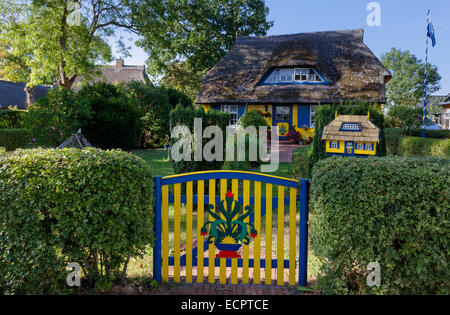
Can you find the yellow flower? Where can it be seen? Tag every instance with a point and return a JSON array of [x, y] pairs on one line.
[[228, 240]]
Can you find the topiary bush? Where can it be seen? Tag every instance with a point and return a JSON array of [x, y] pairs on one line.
[[391, 210], [87, 206], [253, 118], [116, 121], [184, 116], [414, 146], [12, 139]]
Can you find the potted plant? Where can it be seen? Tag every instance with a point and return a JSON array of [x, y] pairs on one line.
[[294, 136], [228, 228]]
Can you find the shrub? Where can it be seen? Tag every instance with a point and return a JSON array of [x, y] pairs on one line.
[[12, 118], [12, 139], [391, 210], [435, 134], [87, 206], [253, 118], [182, 116], [300, 162], [116, 121], [326, 113], [156, 102], [393, 137], [404, 117], [414, 146], [52, 119]]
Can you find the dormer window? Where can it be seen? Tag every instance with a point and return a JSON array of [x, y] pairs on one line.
[[295, 76], [350, 127]]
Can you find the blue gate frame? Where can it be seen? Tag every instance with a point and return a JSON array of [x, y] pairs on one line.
[[303, 229]]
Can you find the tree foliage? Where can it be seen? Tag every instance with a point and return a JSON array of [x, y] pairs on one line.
[[193, 35], [58, 40], [408, 73]]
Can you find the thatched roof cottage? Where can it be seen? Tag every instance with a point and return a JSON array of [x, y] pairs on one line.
[[287, 76]]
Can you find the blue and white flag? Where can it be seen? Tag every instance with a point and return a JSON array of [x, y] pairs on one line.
[[430, 30]]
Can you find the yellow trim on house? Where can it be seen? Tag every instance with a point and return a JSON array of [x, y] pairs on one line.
[[366, 152], [341, 149]]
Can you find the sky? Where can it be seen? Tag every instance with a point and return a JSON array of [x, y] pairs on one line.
[[402, 25]]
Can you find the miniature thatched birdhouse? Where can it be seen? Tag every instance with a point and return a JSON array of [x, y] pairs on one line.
[[349, 135]]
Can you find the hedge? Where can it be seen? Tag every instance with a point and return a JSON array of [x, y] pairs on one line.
[[12, 139], [391, 210], [87, 206], [435, 134], [414, 146], [393, 137], [184, 116]]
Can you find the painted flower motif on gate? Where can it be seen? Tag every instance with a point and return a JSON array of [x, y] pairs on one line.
[[227, 232]]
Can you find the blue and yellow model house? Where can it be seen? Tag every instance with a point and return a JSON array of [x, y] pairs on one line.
[[350, 135], [285, 77]]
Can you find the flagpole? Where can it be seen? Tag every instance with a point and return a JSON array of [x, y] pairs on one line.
[[425, 83]]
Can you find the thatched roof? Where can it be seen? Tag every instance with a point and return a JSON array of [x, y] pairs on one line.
[[120, 73], [369, 132], [350, 67]]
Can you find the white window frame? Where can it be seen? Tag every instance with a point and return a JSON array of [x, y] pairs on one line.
[[334, 145], [370, 145], [350, 127], [360, 146], [287, 75], [233, 110]]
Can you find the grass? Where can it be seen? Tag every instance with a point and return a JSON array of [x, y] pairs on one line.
[[141, 268]]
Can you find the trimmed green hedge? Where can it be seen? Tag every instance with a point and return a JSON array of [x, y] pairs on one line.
[[390, 210], [393, 137], [12, 139], [184, 116], [435, 134], [414, 146], [87, 206]]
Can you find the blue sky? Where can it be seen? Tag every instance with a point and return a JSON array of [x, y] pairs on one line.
[[403, 25]]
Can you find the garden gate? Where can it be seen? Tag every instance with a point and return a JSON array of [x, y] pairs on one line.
[[234, 226]]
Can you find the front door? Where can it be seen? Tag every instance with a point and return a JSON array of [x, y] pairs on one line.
[[282, 118], [349, 148]]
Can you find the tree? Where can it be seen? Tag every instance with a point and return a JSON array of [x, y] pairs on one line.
[[406, 86], [58, 40], [191, 36], [404, 117]]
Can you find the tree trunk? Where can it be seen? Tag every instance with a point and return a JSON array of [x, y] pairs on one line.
[[29, 92]]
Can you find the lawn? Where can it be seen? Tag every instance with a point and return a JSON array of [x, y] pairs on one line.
[[157, 159]]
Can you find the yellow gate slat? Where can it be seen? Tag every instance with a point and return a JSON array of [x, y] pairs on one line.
[[245, 265], [200, 220], [177, 231], [257, 241], [234, 262], [223, 261], [211, 247], [292, 233], [280, 240], [189, 193], [268, 270], [165, 232]]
